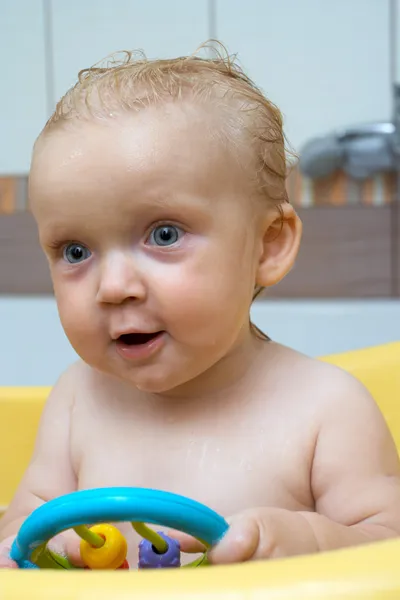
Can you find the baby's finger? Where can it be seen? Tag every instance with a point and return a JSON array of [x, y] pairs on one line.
[[73, 543], [187, 542], [239, 544], [67, 544], [7, 563], [5, 560]]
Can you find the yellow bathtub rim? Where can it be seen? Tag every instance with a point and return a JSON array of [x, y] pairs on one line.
[[368, 572]]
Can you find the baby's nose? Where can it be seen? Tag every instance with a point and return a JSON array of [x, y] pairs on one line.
[[120, 279]]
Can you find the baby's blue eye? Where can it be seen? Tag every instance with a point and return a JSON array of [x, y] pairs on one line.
[[76, 253], [164, 235]]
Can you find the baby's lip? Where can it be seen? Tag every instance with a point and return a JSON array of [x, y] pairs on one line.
[[124, 332], [138, 339]]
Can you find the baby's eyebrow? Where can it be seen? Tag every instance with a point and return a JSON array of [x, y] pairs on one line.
[[172, 202], [53, 233], [140, 214]]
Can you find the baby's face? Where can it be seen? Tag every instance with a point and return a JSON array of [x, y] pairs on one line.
[[152, 241]]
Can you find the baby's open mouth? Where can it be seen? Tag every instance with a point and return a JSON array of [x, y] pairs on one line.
[[136, 339]]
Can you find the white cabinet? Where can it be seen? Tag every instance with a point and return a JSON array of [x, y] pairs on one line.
[[326, 63], [23, 109], [86, 32]]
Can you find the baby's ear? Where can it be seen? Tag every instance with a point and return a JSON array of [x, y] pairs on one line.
[[279, 245]]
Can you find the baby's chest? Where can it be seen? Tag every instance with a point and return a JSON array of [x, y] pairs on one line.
[[229, 473]]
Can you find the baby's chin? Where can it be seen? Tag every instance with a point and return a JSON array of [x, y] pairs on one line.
[[164, 380], [146, 380], [159, 386], [163, 385]]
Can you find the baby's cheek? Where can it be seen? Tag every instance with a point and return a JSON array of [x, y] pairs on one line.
[[202, 307], [78, 321]]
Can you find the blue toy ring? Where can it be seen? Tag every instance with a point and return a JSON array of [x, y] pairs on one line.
[[113, 505]]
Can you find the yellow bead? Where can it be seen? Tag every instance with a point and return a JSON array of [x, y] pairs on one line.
[[111, 555]]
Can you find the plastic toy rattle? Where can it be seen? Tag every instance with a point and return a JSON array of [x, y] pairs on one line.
[[102, 545]]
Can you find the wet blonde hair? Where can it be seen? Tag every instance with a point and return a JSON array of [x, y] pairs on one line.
[[129, 82]]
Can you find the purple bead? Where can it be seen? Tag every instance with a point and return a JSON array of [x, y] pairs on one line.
[[149, 558]]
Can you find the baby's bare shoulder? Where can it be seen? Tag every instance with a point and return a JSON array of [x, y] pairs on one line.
[[75, 383], [81, 377], [94, 390], [321, 384], [72, 375], [355, 467], [345, 416]]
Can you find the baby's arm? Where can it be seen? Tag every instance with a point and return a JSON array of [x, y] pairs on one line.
[[50, 472], [356, 472], [355, 481]]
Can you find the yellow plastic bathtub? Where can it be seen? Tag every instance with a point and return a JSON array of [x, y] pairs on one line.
[[367, 572]]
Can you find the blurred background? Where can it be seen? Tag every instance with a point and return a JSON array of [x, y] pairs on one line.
[[330, 65]]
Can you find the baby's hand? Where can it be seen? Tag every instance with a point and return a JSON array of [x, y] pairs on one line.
[[5, 560], [256, 534], [65, 544], [264, 533]]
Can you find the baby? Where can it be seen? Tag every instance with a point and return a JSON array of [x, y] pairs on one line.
[[158, 188]]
